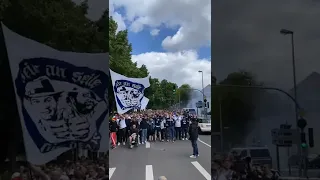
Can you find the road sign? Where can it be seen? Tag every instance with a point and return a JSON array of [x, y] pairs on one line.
[[199, 104], [285, 137]]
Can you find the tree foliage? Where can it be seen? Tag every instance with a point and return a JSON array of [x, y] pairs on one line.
[[60, 24], [63, 25], [162, 94], [237, 105]]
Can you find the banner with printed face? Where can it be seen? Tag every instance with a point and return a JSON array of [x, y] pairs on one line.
[[61, 98], [129, 92]]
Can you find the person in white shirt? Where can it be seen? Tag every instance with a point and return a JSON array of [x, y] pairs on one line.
[[177, 126], [122, 130], [163, 128]]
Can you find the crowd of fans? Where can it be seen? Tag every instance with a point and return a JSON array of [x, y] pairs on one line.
[[231, 167], [128, 129], [149, 126]]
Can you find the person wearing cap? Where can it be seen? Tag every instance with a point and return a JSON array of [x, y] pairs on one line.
[[40, 99], [193, 137]]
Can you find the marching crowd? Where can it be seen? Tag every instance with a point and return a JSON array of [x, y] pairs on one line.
[[138, 128], [127, 129]]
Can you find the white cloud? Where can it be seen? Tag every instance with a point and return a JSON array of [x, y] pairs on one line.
[[179, 67], [192, 17], [118, 18], [154, 32]]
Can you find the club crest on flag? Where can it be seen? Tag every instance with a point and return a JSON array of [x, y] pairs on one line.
[[128, 94], [62, 104], [61, 98]]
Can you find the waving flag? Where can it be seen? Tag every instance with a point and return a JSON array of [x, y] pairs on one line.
[[129, 92], [61, 98]]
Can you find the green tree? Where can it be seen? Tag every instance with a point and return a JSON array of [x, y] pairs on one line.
[[183, 93], [120, 57], [237, 105], [160, 93]]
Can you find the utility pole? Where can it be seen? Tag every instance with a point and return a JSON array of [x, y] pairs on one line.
[[221, 125], [203, 98]]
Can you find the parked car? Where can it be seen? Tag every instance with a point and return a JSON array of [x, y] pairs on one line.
[[314, 162]]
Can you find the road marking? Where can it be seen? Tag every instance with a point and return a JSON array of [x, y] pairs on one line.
[[147, 145], [201, 170], [149, 172], [111, 171], [204, 143]]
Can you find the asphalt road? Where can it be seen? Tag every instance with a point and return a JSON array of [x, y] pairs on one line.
[[148, 162]]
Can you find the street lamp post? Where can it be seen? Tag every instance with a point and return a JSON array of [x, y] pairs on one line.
[[289, 32], [203, 92]]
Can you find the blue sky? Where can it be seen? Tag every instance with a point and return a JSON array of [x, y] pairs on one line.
[[190, 31], [144, 42]]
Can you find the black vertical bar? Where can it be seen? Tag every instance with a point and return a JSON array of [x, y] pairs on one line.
[[30, 172], [278, 158]]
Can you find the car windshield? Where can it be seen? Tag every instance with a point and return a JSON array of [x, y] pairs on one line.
[[259, 153], [204, 120]]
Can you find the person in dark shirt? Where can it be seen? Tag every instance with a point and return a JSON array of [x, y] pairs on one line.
[[134, 121], [144, 129], [133, 135], [184, 128], [113, 127], [157, 129], [151, 131], [170, 128], [128, 124], [193, 137]]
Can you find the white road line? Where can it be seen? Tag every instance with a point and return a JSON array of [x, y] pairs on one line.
[[204, 143], [111, 171], [201, 170], [149, 172], [147, 144]]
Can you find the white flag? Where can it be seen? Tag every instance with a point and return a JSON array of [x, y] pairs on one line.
[[129, 92], [61, 98]]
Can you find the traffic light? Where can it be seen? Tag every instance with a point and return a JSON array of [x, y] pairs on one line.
[[303, 140], [310, 135], [302, 123]]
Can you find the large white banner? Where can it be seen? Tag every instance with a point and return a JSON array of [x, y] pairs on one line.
[[61, 98], [129, 92]]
